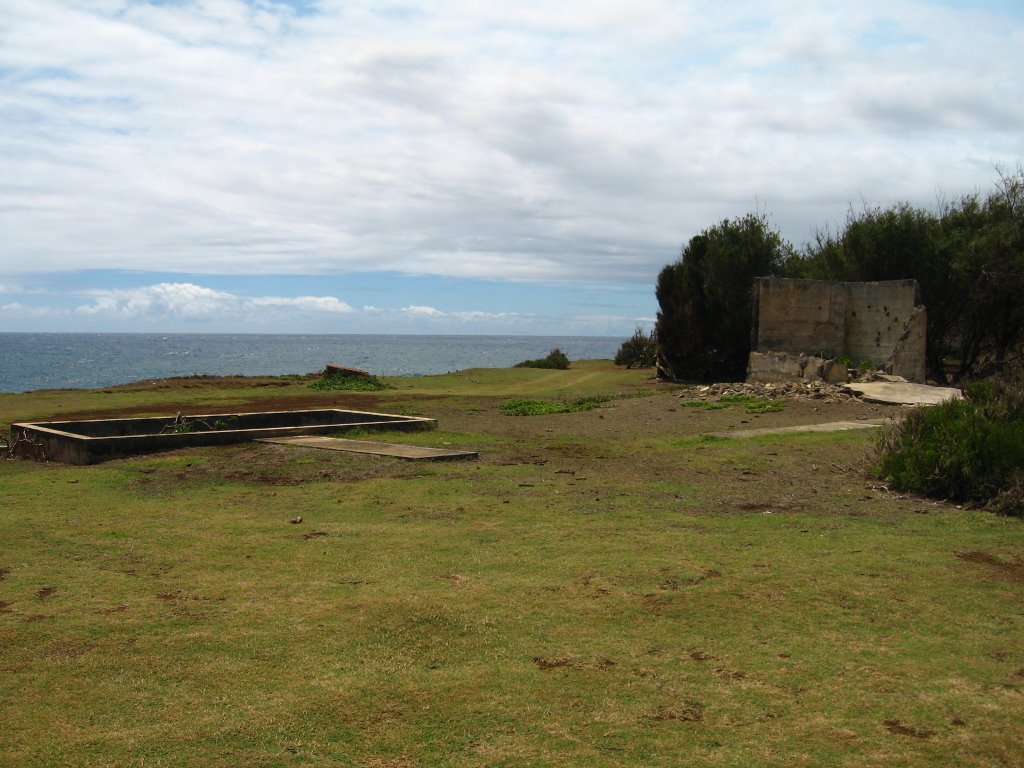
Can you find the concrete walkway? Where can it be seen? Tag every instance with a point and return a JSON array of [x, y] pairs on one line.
[[414, 452], [832, 426]]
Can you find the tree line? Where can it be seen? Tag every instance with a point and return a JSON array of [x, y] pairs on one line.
[[967, 256]]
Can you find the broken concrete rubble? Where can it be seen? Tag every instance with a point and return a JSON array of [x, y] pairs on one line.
[[807, 390]]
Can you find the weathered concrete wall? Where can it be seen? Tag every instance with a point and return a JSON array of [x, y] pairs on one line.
[[880, 323], [797, 316], [877, 315]]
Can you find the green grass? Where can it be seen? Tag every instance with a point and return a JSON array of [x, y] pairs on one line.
[[750, 403], [586, 594]]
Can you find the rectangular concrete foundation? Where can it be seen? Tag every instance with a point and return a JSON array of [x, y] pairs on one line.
[[93, 441]]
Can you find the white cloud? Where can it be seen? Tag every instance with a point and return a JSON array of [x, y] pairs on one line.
[[175, 299], [423, 311], [190, 301], [305, 303], [16, 310], [525, 141]]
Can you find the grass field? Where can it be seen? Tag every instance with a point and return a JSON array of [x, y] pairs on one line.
[[611, 587]]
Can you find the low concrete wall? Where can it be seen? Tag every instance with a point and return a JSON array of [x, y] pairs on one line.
[[878, 323], [91, 442]]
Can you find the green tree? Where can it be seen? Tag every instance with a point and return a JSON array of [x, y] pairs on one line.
[[638, 351], [967, 258], [705, 298], [893, 243]]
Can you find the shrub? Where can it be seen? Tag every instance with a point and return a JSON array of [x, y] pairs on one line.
[[969, 450], [638, 351], [351, 382], [556, 359]]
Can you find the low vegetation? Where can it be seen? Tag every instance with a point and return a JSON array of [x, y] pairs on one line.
[[601, 588], [969, 451], [547, 407], [556, 359], [749, 402], [348, 382]]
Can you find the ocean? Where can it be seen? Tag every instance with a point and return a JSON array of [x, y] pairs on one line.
[[30, 361]]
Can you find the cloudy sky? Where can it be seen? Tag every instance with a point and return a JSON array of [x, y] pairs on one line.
[[351, 166]]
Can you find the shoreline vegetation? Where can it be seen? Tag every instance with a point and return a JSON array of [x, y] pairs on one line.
[[614, 585]]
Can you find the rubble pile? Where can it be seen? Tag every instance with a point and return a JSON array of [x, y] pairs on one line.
[[806, 390]]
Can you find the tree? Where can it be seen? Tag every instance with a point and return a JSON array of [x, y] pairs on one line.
[[704, 324], [893, 243], [967, 258], [638, 351]]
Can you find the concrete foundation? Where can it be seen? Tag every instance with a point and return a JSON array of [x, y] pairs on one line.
[[90, 442]]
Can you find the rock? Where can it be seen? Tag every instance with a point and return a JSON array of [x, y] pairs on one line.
[[339, 370]]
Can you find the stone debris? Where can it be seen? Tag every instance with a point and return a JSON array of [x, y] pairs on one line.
[[807, 390]]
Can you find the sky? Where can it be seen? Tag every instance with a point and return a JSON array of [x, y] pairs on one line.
[[527, 167]]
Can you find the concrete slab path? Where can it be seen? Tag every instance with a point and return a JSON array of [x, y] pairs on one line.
[[832, 426], [902, 393], [414, 452]]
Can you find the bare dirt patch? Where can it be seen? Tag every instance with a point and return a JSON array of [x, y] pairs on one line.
[[685, 712], [1012, 570], [570, 662], [898, 728]]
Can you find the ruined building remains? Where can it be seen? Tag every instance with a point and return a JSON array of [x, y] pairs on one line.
[[811, 329]]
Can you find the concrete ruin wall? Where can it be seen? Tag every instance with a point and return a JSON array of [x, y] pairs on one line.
[[878, 323]]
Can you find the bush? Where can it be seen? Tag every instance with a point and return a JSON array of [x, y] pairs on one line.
[[706, 301], [639, 351], [969, 451], [556, 359], [351, 382]]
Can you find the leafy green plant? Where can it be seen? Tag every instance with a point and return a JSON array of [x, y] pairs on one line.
[[763, 406], [751, 403], [351, 382], [707, 405], [556, 359], [546, 407]]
